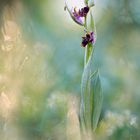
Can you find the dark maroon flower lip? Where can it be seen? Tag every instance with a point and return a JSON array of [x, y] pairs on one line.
[[84, 11], [88, 38]]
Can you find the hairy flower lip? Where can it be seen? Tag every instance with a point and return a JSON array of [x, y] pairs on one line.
[[83, 11], [88, 38]]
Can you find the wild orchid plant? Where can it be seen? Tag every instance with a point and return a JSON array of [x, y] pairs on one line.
[[91, 92]]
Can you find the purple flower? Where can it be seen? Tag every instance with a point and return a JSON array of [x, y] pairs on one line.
[[88, 38], [77, 16]]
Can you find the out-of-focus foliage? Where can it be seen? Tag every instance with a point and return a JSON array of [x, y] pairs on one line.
[[41, 64]]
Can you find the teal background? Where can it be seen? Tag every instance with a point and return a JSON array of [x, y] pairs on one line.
[[42, 63]]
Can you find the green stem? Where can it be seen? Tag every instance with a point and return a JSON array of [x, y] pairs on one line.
[[88, 47], [87, 54]]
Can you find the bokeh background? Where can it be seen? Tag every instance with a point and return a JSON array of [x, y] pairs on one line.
[[41, 63]]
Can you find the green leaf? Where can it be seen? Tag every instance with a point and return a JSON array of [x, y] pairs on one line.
[[96, 99], [92, 25], [85, 112]]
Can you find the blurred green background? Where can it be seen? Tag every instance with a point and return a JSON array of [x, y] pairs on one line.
[[41, 64]]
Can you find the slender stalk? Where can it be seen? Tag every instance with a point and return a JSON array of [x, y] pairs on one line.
[[87, 49]]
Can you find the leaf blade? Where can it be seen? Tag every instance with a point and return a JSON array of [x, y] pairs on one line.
[[97, 99]]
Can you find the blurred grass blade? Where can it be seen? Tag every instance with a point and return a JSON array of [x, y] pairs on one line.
[[96, 99]]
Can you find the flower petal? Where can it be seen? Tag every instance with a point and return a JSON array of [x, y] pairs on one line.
[[73, 15]]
